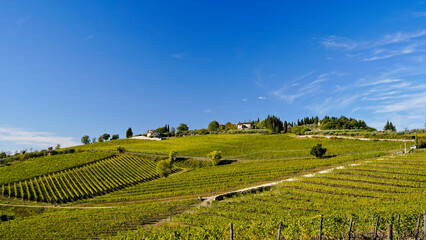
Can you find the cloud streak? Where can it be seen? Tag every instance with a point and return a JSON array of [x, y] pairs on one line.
[[33, 138], [335, 42]]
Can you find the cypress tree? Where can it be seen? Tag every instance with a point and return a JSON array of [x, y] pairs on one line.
[[285, 126]]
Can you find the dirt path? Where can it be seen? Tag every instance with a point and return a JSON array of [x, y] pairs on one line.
[[55, 206], [358, 138]]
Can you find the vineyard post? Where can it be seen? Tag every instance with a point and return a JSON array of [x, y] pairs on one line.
[[405, 143], [424, 225], [376, 227], [279, 232], [231, 231], [350, 229], [418, 228], [320, 233], [390, 232], [397, 225]]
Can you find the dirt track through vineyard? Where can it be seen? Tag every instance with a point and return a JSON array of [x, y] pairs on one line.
[[208, 200]]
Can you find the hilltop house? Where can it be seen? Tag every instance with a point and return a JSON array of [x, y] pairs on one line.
[[243, 125], [152, 133]]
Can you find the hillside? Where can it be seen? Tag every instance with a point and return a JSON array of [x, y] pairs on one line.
[[249, 160]]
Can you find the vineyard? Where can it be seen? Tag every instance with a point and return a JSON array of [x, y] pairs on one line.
[[211, 180], [84, 181], [39, 166], [393, 188], [246, 147], [132, 197]]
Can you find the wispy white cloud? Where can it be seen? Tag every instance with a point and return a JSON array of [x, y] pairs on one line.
[[302, 86], [388, 46], [244, 100], [34, 138], [399, 37], [384, 81], [338, 42], [262, 98], [412, 102], [384, 54], [208, 111]]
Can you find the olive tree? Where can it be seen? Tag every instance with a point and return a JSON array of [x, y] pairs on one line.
[[85, 139]]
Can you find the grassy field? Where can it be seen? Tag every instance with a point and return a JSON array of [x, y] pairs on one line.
[[256, 159]]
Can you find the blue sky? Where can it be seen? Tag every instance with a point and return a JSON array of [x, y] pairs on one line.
[[70, 68]]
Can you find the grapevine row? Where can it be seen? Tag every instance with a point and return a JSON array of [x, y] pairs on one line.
[[84, 181]]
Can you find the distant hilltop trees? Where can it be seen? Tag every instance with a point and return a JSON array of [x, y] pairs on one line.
[[271, 124], [343, 123]]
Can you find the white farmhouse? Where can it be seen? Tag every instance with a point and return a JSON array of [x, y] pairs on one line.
[[152, 133], [243, 125]]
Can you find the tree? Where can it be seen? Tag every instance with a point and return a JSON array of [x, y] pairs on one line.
[[121, 149], [129, 133], [115, 137], [172, 130], [100, 138], [3, 155], [213, 126], [230, 126], [182, 127], [105, 136], [164, 168], [85, 139], [274, 124], [318, 151], [389, 126], [203, 131], [93, 139], [215, 157], [162, 130], [58, 146], [285, 126]]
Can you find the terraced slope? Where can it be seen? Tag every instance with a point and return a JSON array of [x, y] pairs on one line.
[[84, 181]]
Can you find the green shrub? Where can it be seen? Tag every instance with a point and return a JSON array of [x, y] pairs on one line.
[[164, 168], [318, 151], [121, 149], [215, 157]]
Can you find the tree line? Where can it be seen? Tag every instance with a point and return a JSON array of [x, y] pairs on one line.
[[271, 123]]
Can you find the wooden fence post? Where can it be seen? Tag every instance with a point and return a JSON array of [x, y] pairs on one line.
[[320, 233], [390, 232], [397, 227], [279, 232], [231, 231], [376, 227], [424, 225], [418, 228], [350, 229]]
